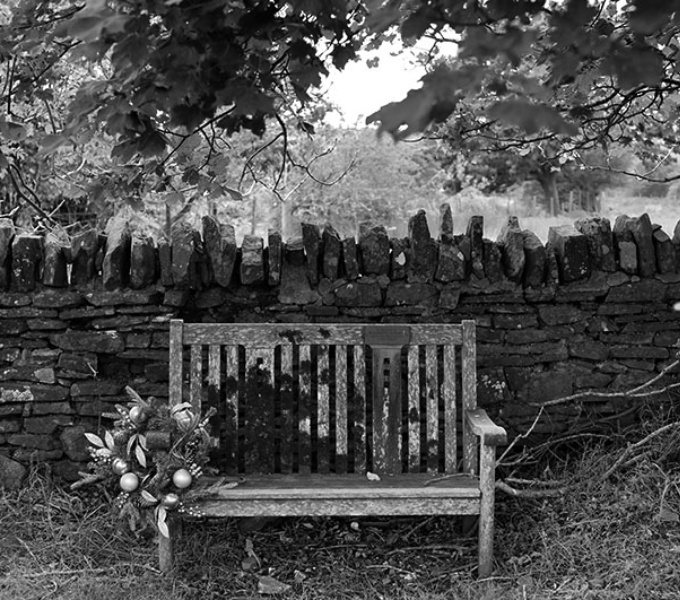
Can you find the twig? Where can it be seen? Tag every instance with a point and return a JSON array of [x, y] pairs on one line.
[[521, 436], [529, 493]]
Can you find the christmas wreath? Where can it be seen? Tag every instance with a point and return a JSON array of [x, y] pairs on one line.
[[151, 459]]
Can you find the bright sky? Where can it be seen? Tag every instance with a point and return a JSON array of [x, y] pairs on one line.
[[360, 90]]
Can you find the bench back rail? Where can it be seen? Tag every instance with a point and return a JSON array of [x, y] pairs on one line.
[[331, 398]]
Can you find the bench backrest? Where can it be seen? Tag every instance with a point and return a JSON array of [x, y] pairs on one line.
[[341, 398]]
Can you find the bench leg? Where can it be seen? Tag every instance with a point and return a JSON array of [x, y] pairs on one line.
[[486, 510], [166, 546]]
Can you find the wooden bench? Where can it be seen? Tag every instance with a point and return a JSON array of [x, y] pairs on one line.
[[341, 420]]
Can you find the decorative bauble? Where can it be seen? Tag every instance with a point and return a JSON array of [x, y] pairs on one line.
[[170, 501], [136, 415], [183, 418], [181, 478], [129, 482], [120, 466]]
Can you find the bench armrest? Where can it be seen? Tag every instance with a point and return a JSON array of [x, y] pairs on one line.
[[483, 427]]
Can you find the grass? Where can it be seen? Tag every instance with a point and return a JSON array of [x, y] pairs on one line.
[[605, 540]]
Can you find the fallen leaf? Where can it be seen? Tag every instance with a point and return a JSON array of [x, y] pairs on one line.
[[372, 476], [269, 585]]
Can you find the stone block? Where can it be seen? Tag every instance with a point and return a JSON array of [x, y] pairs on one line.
[[475, 233], [450, 263], [561, 314], [493, 266], [647, 290], [274, 257], [101, 342], [664, 251], [535, 260], [12, 473], [359, 294], [295, 287], [572, 252], [116, 265], [374, 249], [600, 239], [422, 263], [399, 258], [400, 293], [588, 349], [445, 224], [252, 260], [186, 247], [626, 249], [7, 232], [84, 247], [219, 240], [27, 261], [511, 243], [311, 240], [82, 362], [449, 297], [350, 260], [56, 247], [30, 440], [332, 252], [46, 425], [642, 230], [142, 261], [165, 263]]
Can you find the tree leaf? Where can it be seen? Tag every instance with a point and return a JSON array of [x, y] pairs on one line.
[[149, 497], [140, 456], [13, 132], [51, 142], [95, 440], [530, 117], [110, 442], [161, 522]]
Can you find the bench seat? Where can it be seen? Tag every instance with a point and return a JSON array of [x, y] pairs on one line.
[[340, 495]]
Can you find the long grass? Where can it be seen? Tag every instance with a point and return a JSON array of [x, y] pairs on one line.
[[606, 539]]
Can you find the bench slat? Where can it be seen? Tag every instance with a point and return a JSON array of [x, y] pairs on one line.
[[413, 410], [196, 378], [286, 422], [323, 414], [341, 446], [304, 409], [175, 365], [263, 335], [450, 411], [232, 410], [386, 410], [259, 448], [469, 394], [359, 411], [432, 395]]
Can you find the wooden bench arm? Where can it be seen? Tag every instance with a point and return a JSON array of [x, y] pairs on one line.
[[483, 427]]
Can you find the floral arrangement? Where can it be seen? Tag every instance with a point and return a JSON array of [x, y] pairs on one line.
[[152, 459]]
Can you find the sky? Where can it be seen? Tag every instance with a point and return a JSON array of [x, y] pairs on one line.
[[360, 90]]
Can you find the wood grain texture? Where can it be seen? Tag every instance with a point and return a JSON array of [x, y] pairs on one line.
[[196, 378], [262, 335], [286, 422], [359, 410], [341, 439], [413, 410], [304, 410], [175, 362], [469, 394], [232, 386], [450, 411], [432, 395], [487, 468], [386, 410], [323, 411], [483, 427]]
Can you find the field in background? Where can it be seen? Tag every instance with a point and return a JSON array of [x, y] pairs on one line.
[[496, 210]]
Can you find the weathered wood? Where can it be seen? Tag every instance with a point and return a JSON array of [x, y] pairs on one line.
[[341, 441], [232, 410], [196, 378], [304, 410], [286, 422], [413, 410], [323, 414], [166, 546], [450, 411], [359, 411], [175, 363], [432, 411], [304, 420], [469, 393], [486, 509], [264, 335], [386, 410]]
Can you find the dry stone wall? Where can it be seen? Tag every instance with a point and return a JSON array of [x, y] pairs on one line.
[[81, 318]]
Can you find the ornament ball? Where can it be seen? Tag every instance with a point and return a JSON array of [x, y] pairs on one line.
[[136, 415], [181, 479], [129, 482], [170, 501], [120, 466]]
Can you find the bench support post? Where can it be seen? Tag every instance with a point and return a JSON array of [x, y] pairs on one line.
[[166, 546], [486, 511]]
